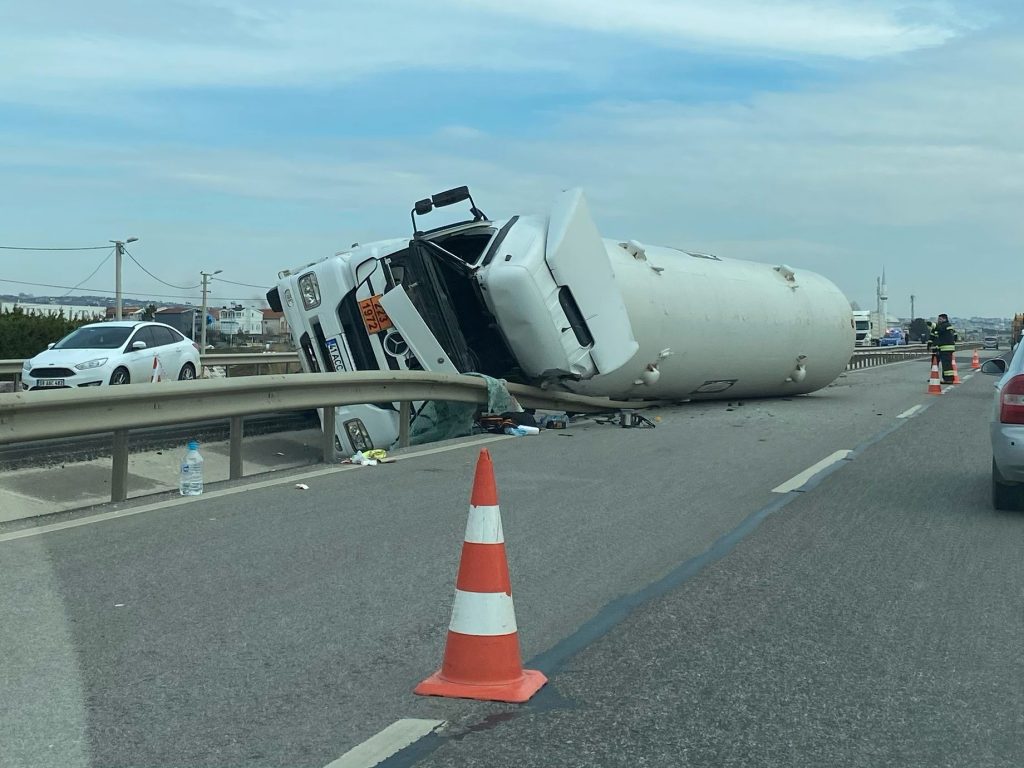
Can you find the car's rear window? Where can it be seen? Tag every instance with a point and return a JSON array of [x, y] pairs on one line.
[[92, 337]]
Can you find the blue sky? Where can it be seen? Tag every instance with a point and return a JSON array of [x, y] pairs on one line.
[[252, 136]]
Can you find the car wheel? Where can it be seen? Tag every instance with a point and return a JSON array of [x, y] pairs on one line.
[[1009, 498], [188, 372], [120, 376]]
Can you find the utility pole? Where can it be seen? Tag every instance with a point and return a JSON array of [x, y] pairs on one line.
[[118, 252], [912, 315], [202, 320]]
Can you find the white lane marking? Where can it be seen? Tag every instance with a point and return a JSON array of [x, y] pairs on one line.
[[378, 748], [796, 482], [910, 412], [40, 530]]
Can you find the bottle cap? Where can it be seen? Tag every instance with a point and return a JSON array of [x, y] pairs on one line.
[[193, 445]]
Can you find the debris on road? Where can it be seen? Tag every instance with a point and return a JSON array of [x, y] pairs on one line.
[[369, 458], [302, 486]]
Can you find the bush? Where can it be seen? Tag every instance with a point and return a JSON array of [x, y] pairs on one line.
[[24, 335]]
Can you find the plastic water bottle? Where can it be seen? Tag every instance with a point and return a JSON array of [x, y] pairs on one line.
[[191, 483]]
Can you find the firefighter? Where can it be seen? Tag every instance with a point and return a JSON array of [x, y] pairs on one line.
[[943, 343]]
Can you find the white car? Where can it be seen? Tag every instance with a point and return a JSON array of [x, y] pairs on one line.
[[1007, 431], [113, 353]]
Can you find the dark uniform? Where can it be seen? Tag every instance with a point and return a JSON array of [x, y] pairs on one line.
[[943, 341]]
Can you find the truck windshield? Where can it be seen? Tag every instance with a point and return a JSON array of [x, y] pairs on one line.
[[441, 285], [862, 325], [419, 274]]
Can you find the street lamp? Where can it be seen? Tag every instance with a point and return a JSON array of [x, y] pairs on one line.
[[202, 320], [119, 250]]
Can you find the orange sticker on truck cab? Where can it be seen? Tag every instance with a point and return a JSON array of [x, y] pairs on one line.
[[374, 317]]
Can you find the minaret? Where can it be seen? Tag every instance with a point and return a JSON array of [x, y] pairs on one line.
[[883, 300]]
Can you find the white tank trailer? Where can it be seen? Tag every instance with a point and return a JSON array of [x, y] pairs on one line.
[[545, 300]]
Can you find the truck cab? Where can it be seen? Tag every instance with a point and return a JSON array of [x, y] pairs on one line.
[[530, 299]]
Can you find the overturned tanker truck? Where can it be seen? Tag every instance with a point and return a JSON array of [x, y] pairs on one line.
[[544, 300]]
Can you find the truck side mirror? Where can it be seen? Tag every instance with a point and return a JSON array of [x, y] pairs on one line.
[[450, 197]]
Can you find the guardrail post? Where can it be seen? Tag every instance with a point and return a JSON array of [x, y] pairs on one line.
[[119, 472], [404, 409], [235, 455], [329, 421]]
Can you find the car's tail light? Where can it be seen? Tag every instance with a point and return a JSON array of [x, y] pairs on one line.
[[1011, 403]]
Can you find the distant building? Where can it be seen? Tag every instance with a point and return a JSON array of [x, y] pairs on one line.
[[274, 323], [127, 313], [184, 319], [241, 321]]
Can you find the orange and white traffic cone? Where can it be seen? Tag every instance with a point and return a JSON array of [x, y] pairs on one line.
[[956, 372], [934, 385], [156, 370], [975, 362], [481, 655]]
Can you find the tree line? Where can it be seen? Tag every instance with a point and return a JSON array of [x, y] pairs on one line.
[[26, 335]]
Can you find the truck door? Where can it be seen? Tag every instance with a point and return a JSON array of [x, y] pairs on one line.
[[577, 258]]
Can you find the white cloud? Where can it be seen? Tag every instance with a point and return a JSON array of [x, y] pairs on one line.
[[787, 27], [121, 46], [917, 165], [72, 50]]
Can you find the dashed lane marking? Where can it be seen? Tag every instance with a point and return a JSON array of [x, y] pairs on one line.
[[800, 480], [910, 412], [378, 748]]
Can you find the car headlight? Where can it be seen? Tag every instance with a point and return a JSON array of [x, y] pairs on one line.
[[309, 289], [26, 366], [91, 364]]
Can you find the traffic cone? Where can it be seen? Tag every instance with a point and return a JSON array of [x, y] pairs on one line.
[[934, 385], [481, 655], [975, 362], [956, 372], [156, 370]]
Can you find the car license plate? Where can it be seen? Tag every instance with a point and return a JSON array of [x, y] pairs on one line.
[[50, 383]]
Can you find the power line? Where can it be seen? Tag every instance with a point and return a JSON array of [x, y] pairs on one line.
[[133, 293], [170, 285], [19, 248], [105, 260], [244, 285]]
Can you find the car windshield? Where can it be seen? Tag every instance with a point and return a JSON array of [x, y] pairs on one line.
[[93, 337]]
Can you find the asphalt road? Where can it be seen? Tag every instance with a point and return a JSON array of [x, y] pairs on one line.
[[684, 612]]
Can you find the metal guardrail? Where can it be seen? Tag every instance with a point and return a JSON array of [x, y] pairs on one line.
[[70, 412], [875, 356]]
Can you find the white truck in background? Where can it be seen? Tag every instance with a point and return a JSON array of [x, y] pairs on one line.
[[864, 323], [544, 300]]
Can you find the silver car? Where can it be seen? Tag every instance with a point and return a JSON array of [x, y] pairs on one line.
[[113, 353], [1007, 431]]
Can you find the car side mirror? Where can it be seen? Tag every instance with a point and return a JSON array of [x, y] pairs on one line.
[[138, 345], [50, 345], [994, 367]]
